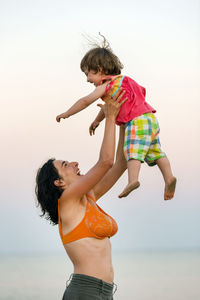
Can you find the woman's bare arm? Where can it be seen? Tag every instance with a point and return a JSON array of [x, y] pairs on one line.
[[87, 182], [115, 172]]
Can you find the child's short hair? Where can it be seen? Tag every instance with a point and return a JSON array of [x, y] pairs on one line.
[[101, 58]]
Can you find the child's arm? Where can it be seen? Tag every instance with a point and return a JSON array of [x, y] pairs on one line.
[[83, 102], [96, 122]]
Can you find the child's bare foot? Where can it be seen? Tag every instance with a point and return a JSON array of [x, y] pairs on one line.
[[129, 188], [170, 189]]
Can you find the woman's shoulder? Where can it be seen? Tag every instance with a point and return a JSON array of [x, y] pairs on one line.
[[70, 206], [68, 199]]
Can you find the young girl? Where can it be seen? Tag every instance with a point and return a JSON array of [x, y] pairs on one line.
[[103, 69]]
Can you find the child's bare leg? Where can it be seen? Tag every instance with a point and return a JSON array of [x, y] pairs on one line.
[[133, 173], [170, 181]]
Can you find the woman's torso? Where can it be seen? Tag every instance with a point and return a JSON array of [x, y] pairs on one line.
[[89, 249], [92, 257]]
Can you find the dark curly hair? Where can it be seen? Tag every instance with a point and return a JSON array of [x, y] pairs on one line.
[[101, 57], [46, 192]]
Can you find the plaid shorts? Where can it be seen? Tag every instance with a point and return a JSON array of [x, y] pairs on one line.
[[141, 139]]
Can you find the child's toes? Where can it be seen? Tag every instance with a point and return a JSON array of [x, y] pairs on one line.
[[129, 188], [170, 189]]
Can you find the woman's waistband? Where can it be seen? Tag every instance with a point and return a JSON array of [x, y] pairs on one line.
[[93, 282]]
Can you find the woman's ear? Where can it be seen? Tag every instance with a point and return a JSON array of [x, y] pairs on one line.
[[58, 182]]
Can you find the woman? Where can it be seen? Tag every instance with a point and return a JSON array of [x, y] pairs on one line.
[[69, 199]]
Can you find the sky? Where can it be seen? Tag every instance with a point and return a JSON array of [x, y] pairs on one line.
[[42, 44]]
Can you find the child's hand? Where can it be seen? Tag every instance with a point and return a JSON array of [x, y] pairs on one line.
[[61, 116], [93, 127]]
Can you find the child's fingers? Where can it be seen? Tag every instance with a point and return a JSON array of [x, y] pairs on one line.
[[100, 105], [90, 129]]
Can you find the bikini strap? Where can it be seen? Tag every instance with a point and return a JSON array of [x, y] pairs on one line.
[[59, 220], [89, 196]]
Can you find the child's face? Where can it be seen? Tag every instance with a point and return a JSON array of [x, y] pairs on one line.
[[94, 77]]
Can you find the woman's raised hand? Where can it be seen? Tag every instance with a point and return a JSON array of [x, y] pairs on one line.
[[113, 104]]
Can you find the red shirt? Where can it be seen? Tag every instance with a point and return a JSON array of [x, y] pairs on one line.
[[136, 104]]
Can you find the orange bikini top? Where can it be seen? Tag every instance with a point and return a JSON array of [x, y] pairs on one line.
[[96, 223]]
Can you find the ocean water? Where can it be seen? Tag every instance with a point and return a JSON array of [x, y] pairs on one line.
[[144, 275]]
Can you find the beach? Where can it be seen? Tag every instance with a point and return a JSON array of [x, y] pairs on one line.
[[139, 275]]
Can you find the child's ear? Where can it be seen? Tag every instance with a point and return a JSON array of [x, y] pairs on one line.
[[100, 69]]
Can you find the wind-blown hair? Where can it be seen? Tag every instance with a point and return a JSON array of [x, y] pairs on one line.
[[101, 57], [46, 192]]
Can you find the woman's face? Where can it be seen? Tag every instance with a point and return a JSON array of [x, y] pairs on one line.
[[68, 171]]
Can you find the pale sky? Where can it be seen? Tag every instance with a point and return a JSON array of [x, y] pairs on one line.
[[42, 44]]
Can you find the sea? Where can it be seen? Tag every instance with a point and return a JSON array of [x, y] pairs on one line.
[[139, 275]]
